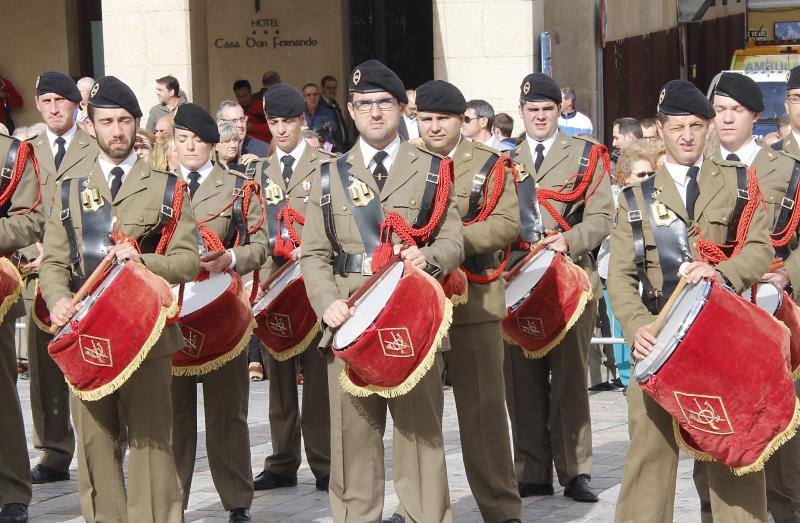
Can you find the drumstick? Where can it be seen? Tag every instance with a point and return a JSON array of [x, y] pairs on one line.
[[776, 264], [90, 282], [661, 319]]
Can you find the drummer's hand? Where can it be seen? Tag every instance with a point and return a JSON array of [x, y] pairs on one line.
[[778, 277], [125, 251], [33, 266], [697, 270], [62, 311], [643, 342], [504, 278], [556, 242], [296, 254], [216, 261], [413, 255], [336, 313]]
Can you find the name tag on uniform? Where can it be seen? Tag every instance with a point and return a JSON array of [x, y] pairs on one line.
[[360, 193]]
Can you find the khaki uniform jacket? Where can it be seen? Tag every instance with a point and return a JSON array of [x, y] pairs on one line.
[[401, 193], [136, 208], [298, 191], [712, 214], [486, 302], [561, 163], [216, 193]]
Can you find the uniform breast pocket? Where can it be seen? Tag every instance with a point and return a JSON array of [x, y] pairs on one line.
[[774, 199], [344, 225], [715, 222], [139, 223], [408, 208]]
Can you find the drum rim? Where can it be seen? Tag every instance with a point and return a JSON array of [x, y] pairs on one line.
[[257, 307], [91, 299], [527, 295], [761, 284]]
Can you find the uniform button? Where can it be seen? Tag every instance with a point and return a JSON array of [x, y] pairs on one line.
[[463, 192], [141, 220], [772, 198], [413, 202], [344, 208], [694, 245]]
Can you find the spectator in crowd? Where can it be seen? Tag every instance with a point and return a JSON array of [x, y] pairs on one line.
[[329, 87], [253, 109], [228, 149], [81, 116], [232, 113], [145, 140], [478, 122], [164, 155], [625, 130], [409, 130], [168, 92], [165, 126], [649, 131], [268, 79], [502, 128], [318, 117], [9, 99], [311, 137], [571, 121]]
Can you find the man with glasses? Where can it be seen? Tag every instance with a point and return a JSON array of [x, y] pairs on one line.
[[380, 167], [164, 127], [232, 113], [478, 121], [649, 131], [253, 108]]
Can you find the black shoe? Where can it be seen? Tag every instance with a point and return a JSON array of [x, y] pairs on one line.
[[268, 480], [239, 515], [602, 387], [579, 489], [14, 513], [394, 518], [618, 385], [322, 483], [512, 521], [534, 489], [42, 474]]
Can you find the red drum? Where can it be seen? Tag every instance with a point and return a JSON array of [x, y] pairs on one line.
[[10, 286], [285, 322], [545, 298], [718, 368], [390, 343], [456, 287], [121, 320], [216, 323], [778, 303], [41, 314]]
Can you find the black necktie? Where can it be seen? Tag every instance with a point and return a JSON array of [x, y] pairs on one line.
[[380, 173], [60, 152], [287, 162], [733, 158], [537, 162], [116, 180], [194, 182], [692, 190]]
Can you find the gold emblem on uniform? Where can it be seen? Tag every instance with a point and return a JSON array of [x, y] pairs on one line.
[[526, 88], [705, 413], [356, 76], [273, 194], [662, 215], [360, 193], [91, 199], [95, 88]]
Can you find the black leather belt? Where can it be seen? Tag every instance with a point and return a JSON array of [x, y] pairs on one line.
[[574, 218], [478, 183], [150, 242], [7, 173], [530, 218], [787, 206], [368, 217], [742, 196]]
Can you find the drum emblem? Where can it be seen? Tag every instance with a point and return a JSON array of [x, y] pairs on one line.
[[279, 325], [531, 327], [705, 413], [194, 341], [95, 351], [396, 343]]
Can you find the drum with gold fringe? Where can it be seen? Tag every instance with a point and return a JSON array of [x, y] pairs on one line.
[[10, 286]]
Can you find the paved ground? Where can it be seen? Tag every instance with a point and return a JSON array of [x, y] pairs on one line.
[[59, 502]]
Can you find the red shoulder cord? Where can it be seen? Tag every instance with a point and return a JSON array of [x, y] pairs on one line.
[[410, 235], [714, 253], [490, 199], [25, 154], [598, 152], [781, 238], [166, 236], [288, 216]]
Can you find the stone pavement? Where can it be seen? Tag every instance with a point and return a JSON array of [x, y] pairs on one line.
[[59, 502]]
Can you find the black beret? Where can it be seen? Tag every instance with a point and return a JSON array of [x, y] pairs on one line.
[[793, 81], [372, 77], [109, 92], [192, 117], [682, 98], [58, 83], [440, 97], [283, 101], [741, 88], [538, 87]]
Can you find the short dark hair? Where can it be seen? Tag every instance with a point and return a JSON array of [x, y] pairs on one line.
[[483, 109], [270, 78], [171, 83], [327, 78], [241, 84], [647, 123], [628, 125], [504, 123], [309, 84]]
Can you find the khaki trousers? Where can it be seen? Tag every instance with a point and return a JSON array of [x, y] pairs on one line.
[[475, 362], [286, 423], [15, 471], [225, 400], [153, 494], [548, 403], [651, 466], [357, 453]]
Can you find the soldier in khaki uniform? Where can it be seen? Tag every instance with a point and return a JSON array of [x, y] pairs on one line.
[[135, 193], [548, 400], [379, 166], [701, 193], [19, 227], [62, 149], [288, 173], [225, 389], [475, 360]]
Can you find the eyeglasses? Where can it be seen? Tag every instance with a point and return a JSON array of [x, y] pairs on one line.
[[643, 174], [365, 106], [143, 146], [241, 119], [794, 99], [468, 119]]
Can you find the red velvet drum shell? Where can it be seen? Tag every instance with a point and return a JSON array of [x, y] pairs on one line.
[[789, 314], [10, 285], [285, 325], [41, 313]]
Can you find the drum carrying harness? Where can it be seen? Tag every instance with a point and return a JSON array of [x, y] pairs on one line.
[[788, 217]]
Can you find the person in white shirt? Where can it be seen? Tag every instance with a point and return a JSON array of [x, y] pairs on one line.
[[409, 128], [571, 121]]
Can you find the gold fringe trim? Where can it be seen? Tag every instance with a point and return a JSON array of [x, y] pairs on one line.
[[210, 366], [12, 298], [119, 381], [460, 299], [796, 373], [44, 328], [297, 349], [411, 381], [699, 455]]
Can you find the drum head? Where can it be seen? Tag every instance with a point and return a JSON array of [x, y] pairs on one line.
[[198, 294], [369, 306], [768, 297], [526, 279], [91, 299], [275, 288], [681, 317]]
